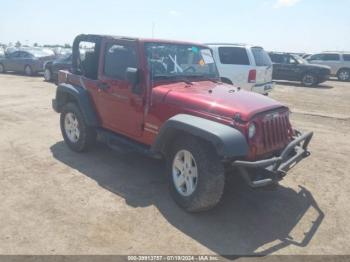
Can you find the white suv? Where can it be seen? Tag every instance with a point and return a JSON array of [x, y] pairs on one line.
[[245, 66], [338, 61]]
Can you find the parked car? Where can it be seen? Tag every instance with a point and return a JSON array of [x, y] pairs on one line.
[[294, 68], [245, 66], [28, 62], [164, 99], [339, 62], [2, 52], [51, 68]]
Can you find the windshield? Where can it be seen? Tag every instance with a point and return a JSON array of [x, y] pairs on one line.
[[173, 61], [65, 51], [65, 57], [300, 60]]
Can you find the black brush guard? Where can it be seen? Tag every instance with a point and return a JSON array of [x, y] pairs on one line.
[[269, 171]]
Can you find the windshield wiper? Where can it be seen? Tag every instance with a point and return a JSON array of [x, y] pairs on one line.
[[203, 77], [174, 78]]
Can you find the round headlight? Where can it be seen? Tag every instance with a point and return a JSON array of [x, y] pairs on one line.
[[251, 130]]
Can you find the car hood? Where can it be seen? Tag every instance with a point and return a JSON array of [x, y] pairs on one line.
[[215, 98], [60, 62], [316, 66]]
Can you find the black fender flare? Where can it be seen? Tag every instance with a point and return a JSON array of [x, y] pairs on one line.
[[227, 141], [66, 93]]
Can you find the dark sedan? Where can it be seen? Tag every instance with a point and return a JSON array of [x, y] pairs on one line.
[[29, 62], [51, 68], [294, 68]]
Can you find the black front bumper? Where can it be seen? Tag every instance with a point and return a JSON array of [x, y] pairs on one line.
[[269, 171]]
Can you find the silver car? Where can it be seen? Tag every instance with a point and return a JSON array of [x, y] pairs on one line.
[[339, 62], [29, 62]]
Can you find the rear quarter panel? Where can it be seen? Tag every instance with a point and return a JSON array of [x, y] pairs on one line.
[[333, 65], [345, 64], [263, 73]]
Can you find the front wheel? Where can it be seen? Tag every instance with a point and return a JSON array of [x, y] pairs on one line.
[[2, 69], [28, 71], [309, 79], [196, 174], [76, 133], [48, 75], [344, 75]]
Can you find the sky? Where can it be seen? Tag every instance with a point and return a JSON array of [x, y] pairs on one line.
[[277, 25]]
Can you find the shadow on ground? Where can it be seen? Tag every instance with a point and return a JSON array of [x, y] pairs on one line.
[[335, 79], [243, 224], [40, 74], [297, 84]]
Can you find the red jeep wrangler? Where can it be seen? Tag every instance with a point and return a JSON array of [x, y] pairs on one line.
[[165, 99]]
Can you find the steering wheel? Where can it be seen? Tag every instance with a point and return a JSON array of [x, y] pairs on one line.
[[190, 68], [158, 67]]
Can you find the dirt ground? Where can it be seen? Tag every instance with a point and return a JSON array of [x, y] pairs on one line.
[[54, 201]]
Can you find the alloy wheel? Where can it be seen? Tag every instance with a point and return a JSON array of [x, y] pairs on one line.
[[71, 127], [185, 173], [28, 70], [308, 80], [344, 75], [47, 75]]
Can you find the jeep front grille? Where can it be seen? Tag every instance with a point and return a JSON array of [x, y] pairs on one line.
[[275, 131]]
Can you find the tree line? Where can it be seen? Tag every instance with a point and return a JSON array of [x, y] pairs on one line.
[[19, 44]]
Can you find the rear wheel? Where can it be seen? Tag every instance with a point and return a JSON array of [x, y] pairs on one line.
[[48, 75], [196, 174], [76, 133], [344, 75], [28, 70], [2, 69], [309, 79]]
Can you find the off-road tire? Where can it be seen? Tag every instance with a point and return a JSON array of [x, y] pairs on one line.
[[306, 79], [341, 77], [28, 71], [211, 174], [2, 69], [87, 137]]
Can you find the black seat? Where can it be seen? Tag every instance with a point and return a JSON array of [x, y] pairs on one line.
[[90, 65]]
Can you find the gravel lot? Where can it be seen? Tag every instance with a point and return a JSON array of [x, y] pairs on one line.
[[54, 201]]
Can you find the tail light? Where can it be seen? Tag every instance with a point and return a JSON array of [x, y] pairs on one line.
[[252, 76]]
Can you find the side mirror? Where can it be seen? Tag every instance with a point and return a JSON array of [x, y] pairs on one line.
[[133, 77]]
